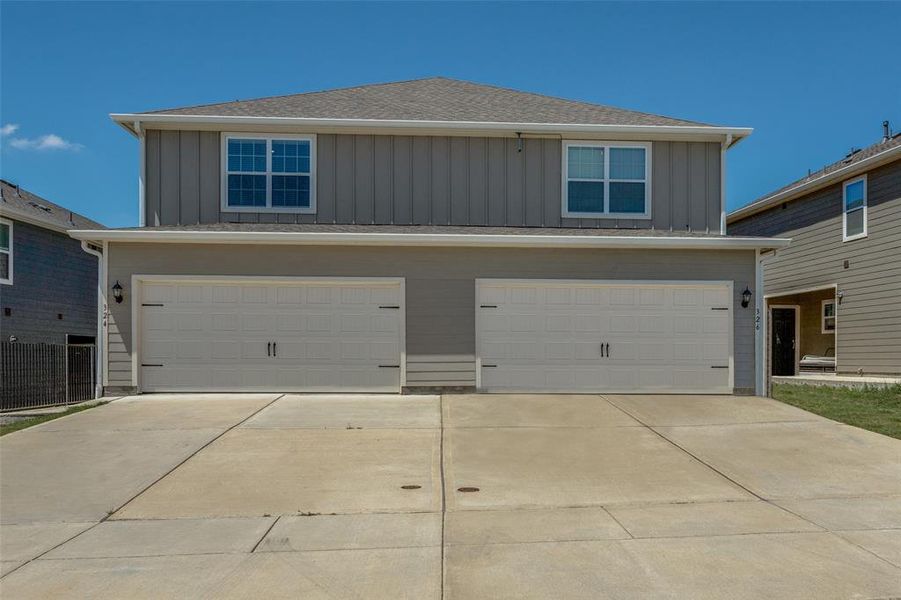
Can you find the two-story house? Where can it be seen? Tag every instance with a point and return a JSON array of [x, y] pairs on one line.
[[48, 283], [430, 234], [832, 296]]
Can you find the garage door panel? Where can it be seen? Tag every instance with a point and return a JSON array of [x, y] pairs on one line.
[[325, 336], [549, 336]]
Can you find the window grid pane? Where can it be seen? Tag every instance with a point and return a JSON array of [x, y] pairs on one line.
[[854, 222], [854, 195], [4, 265], [585, 162], [627, 163], [4, 237], [247, 190], [585, 196], [626, 197], [248, 156], [290, 156], [291, 190]]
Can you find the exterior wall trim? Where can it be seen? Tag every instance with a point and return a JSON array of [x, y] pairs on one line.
[[131, 120], [430, 239], [137, 281]]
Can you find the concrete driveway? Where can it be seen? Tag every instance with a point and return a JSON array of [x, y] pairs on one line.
[[455, 497]]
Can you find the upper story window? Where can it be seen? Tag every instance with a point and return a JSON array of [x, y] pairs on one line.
[[607, 180], [854, 219], [6, 251], [269, 173]]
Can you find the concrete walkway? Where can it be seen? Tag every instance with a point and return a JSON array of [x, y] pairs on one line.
[[465, 497]]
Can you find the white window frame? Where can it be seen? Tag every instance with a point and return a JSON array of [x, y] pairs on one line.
[[8, 280], [606, 145], [224, 205], [862, 234], [823, 316]]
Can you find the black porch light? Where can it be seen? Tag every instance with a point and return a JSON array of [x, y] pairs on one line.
[[746, 297], [117, 292]]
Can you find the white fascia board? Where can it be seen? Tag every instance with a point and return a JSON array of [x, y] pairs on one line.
[[428, 239], [815, 184], [128, 121], [16, 215]]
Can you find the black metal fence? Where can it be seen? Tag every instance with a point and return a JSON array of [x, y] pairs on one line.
[[34, 375]]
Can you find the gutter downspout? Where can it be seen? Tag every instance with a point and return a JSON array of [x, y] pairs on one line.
[[761, 384], [142, 173], [724, 147], [101, 318]]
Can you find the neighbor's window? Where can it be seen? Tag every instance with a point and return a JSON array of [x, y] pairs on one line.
[[606, 180], [828, 320], [855, 209], [6, 251], [269, 173]]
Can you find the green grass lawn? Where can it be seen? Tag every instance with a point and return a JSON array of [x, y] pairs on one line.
[[876, 409], [25, 423]]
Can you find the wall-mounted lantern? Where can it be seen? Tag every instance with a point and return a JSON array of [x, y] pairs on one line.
[[840, 295], [746, 297], [117, 292]]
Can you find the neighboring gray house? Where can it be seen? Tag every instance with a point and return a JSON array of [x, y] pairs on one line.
[[833, 295], [48, 284], [430, 234]]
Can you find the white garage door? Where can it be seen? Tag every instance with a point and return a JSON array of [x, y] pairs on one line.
[[584, 336], [310, 335]]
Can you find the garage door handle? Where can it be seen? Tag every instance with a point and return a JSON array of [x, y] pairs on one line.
[[274, 349], [602, 349], [269, 349], [389, 366], [608, 349]]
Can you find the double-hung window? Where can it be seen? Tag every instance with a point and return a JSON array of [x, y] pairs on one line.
[[269, 173], [827, 320], [607, 180], [6, 251], [854, 208]]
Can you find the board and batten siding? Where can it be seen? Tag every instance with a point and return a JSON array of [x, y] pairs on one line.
[[868, 336], [440, 288], [429, 180]]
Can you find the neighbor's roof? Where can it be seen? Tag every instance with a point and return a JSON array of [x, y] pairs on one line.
[[19, 204], [435, 101], [852, 164], [427, 235]]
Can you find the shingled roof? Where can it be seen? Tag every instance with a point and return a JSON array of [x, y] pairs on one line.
[[432, 99], [18, 203], [885, 149]]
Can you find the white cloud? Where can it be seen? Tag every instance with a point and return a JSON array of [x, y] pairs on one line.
[[51, 141], [8, 129]]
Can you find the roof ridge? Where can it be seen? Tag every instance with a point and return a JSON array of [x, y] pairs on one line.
[[311, 93], [569, 100]]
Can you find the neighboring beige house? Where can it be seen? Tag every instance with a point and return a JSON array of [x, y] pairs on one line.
[[833, 295], [430, 234]]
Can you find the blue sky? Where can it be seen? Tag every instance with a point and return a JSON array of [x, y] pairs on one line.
[[813, 79]]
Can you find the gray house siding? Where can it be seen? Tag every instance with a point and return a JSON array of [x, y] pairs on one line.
[[440, 288], [429, 180], [868, 327], [52, 277]]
